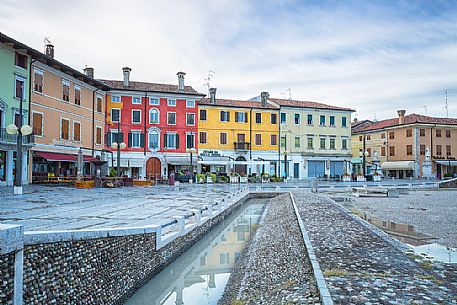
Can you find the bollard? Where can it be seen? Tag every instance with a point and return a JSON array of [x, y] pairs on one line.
[[314, 185]]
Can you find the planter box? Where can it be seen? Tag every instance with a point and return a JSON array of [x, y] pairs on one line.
[[85, 184], [243, 179], [377, 178], [233, 179], [361, 179], [142, 183], [209, 180], [347, 179]]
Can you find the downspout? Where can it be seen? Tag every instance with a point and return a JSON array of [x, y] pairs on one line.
[[29, 117], [145, 117], [431, 145], [250, 134], [93, 121], [278, 121]]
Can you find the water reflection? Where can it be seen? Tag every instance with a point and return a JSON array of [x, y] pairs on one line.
[[200, 275]]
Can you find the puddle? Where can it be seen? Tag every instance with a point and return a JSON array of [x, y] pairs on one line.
[[200, 275]]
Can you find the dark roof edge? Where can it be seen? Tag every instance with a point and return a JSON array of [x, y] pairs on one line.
[[136, 90]]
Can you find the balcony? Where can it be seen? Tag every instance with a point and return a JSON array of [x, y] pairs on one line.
[[242, 145], [12, 138]]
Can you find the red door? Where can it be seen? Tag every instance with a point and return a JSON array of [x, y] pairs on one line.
[[153, 168]]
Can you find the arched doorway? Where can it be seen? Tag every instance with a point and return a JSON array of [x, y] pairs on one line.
[[241, 168], [153, 168]]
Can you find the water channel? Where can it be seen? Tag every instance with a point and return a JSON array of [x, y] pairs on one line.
[[200, 275]]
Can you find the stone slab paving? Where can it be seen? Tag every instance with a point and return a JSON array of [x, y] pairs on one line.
[[274, 268], [362, 268], [64, 208]]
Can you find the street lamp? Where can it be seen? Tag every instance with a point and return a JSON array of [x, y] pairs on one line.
[[286, 168], [118, 147], [191, 151], [364, 155]]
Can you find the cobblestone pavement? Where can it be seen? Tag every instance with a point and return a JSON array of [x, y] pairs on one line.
[[431, 212], [63, 208], [274, 268], [362, 268]]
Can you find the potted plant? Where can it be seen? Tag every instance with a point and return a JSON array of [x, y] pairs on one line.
[[346, 177], [243, 178], [361, 177], [377, 176]]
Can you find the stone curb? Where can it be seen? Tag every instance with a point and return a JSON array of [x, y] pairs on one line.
[[324, 292]]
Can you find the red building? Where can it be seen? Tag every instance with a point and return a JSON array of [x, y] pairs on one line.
[[157, 122]]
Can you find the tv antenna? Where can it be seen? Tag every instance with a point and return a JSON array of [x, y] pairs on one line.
[[47, 40], [208, 78], [425, 107], [290, 93]]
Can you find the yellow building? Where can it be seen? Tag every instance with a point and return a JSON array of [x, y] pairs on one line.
[[239, 136]]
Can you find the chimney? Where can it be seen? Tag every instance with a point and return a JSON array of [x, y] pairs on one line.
[[264, 98], [49, 50], [126, 72], [181, 80], [401, 116], [89, 71], [212, 95]]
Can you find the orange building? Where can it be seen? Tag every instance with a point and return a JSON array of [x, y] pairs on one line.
[[67, 113]]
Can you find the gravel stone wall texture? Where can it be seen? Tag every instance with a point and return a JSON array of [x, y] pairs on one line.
[[449, 184], [7, 278], [274, 268], [101, 271]]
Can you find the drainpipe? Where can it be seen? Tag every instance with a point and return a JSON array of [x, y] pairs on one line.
[[279, 144], [431, 144], [250, 134], [93, 121], [29, 116]]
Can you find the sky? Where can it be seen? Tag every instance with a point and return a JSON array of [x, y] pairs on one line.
[[373, 56]]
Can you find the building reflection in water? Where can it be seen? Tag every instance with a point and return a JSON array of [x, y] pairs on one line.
[[200, 275]]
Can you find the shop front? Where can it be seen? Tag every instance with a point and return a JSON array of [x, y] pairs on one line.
[[398, 169], [446, 168]]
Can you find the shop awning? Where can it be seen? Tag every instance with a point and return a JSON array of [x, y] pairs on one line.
[[447, 162], [59, 157], [180, 160], [214, 162], [398, 165]]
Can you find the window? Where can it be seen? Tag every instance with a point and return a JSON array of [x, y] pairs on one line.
[[448, 133], [273, 140], [66, 91], [392, 135], [38, 81], [322, 143], [297, 119], [136, 100], [202, 137], [448, 150], [422, 132], [190, 103], [37, 120], [224, 258], [422, 150], [77, 131], [438, 150], [438, 133], [322, 120], [332, 143], [171, 102], [297, 142], [344, 144], [136, 116], [171, 140], [383, 151], [98, 138], [241, 117], [258, 139], [190, 140], [171, 118], [116, 99], [115, 115], [383, 135], [368, 152], [310, 119], [154, 101], [409, 150], [21, 61], [223, 138], [64, 129], [368, 137], [225, 116], [344, 122], [202, 114], [153, 139], [283, 118], [136, 139], [114, 136], [391, 151], [332, 121], [409, 133], [360, 138], [99, 104], [77, 95], [154, 116], [20, 88], [273, 118], [258, 118], [190, 119], [310, 143], [283, 142]]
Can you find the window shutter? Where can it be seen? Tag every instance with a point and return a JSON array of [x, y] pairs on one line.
[[142, 140], [221, 116], [130, 139], [177, 140], [120, 138], [165, 140], [108, 139], [245, 117], [228, 116]]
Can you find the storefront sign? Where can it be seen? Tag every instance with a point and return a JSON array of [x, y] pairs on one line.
[[65, 143], [210, 153]]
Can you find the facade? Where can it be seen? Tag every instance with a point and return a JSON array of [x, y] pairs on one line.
[[237, 136], [315, 139], [15, 60], [403, 142], [67, 114], [157, 122]]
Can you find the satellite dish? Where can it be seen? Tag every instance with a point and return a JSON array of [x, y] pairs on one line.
[[26, 130], [11, 129]]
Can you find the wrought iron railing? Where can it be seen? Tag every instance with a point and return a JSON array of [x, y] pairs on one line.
[[242, 145], [12, 138]]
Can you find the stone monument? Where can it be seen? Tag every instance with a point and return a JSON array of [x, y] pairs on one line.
[[427, 165]]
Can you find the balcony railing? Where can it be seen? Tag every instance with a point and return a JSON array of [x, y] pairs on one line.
[[12, 138], [242, 145]]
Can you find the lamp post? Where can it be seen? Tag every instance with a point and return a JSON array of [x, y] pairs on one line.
[[21, 130], [118, 147], [191, 151], [363, 154], [286, 168]]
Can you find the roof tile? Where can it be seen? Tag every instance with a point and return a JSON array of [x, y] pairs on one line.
[[155, 87]]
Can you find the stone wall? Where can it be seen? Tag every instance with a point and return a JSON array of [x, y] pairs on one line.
[[7, 278], [450, 184]]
